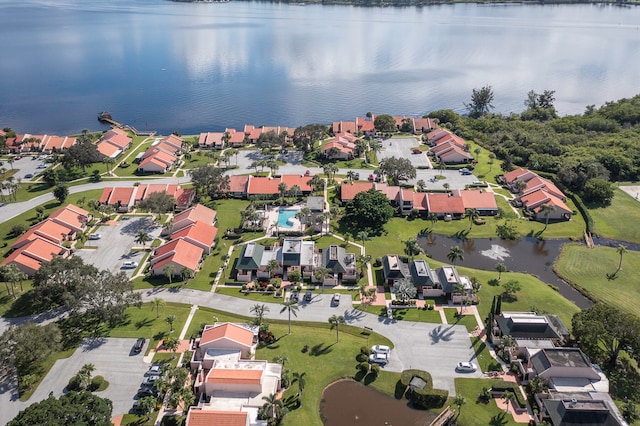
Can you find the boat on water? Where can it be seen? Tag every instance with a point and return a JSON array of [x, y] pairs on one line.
[[104, 115]]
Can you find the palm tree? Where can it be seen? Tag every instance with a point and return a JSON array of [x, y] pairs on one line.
[[292, 307], [508, 397], [363, 259], [472, 214], [142, 237], [446, 186], [282, 187], [335, 321], [300, 378], [169, 271], [170, 319], [259, 310], [492, 157], [622, 249], [520, 185], [272, 403], [281, 359], [433, 218], [351, 175], [294, 191], [157, 302], [456, 253], [320, 274], [316, 182], [411, 248], [362, 236], [272, 266], [459, 400], [500, 267], [420, 185], [546, 210]]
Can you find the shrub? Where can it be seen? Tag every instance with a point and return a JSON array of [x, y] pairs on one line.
[[362, 357], [98, 384], [244, 287], [74, 384], [365, 350], [434, 398]]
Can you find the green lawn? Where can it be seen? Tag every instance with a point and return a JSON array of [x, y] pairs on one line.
[[257, 297], [325, 362], [468, 321], [475, 412], [130, 155], [588, 268], [483, 358], [614, 221], [416, 315]]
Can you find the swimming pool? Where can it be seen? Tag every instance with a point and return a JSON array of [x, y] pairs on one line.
[[284, 218]]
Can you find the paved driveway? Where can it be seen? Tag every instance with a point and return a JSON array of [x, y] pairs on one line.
[[24, 166], [113, 359], [115, 245], [402, 148]]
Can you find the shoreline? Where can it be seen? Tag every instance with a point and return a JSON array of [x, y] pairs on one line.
[[423, 3]]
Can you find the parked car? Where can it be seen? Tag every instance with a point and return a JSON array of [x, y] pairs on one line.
[[41, 166], [294, 296], [308, 296], [136, 409], [307, 173], [378, 359], [149, 381], [28, 176], [130, 264], [356, 176], [95, 236], [137, 348], [142, 392], [154, 370], [467, 367], [381, 349], [371, 177], [336, 299]]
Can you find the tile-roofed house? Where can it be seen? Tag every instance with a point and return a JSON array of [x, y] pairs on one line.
[[420, 202], [533, 201], [197, 213], [394, 269], [234, 380], [179, 253], [29, 257], [450, 152], [117, 137], [227, 336], [238, 185], [424, 125], [344, 127], [199, 417], [349, 190], [199, 234], [519, 174], [122, 199], [184, 197], [480, 199], [47, 229], [72, 217], [154, 165], [108, 150], [536, 183], [262, 186], [435, 135], [236, 139], [211, 140], [57, 143], [366, 125], [342, 146], [445, 204], [176, 142], [249, 261], [301, 181]]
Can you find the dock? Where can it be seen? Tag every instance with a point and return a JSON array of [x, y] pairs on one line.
[[105, 117]]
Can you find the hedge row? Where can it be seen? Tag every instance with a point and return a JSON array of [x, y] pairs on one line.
[[427, 397], [510, 387]]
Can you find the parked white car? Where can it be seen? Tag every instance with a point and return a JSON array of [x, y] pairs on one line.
[[466, 367], [378, 359], [95, 236], [130, 264], [381, 349]]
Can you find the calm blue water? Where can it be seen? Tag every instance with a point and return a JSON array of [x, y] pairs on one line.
[[284, 216], [167, 66]]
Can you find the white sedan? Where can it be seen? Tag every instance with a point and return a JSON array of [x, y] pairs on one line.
[[467, 367]]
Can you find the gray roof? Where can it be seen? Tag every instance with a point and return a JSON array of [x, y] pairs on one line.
[[315, 204], [333, 259], [579, 412], [448, 277], [394, 268], [422, 274], [291, 249], [251, 256]]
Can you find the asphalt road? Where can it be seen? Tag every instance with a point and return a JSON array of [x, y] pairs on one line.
[[402, 148]]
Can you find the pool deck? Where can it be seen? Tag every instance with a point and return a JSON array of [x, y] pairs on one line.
[[272, 216]]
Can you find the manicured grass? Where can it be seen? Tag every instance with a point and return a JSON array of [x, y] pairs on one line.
[[130, 155], [617, 221], [235, 291], [483, 358], [143, 322], [138, 420], [413, 314], [468, 321], [10, 307], [588, 268], [475, 412]]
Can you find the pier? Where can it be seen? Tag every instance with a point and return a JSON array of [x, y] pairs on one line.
[[105, 117]]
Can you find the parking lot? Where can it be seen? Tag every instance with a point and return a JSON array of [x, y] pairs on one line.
[[25, 166], [402, 148], [114, 246]]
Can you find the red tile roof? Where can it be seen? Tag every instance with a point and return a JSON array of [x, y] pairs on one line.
[[478, 199], [344, 126], [108, 149], [235, 376], [115, 195], [301, 181], [229, 331], [236, 138], [47, 229], [71, 216], [536, 199], [216, 418], [197, 213], [238, 184], [117, 137], [518, 173], [262, 185], [420, 200], [178, 251], [153, 164], [365, 124], [349, 190], [198, 231], [444, 203], [32, 254]]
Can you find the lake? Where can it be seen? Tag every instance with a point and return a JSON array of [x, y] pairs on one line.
[[166, 66]]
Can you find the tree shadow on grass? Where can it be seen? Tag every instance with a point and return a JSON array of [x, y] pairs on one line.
[[146, 322], [320, 349], [499, 420]]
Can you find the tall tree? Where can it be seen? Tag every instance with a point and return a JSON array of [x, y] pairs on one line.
[[305, 137], [411, 248], [397, 169], [158, 203], [24, 346], [73, 408], [621, 250], [385, 123], [158, 303], [169, 271], [209, 181], [61, 192], [500, 267], [455, 254], [170, 319], [368, 210], [142, 237], [546, 210], [291, 307], [259, 310], [301, 379], [481, 102], [336, 321], [472, 214], [404, 290]]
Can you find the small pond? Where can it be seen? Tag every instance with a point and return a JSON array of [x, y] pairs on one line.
[[528, 255], [347, 403]]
